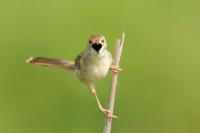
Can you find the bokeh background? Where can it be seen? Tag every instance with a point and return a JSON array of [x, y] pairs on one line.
[[158, 90]]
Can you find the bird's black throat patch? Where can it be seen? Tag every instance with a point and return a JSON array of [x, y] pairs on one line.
[[97, 46]]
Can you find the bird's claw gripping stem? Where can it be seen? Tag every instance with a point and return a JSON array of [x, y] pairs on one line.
[[115, 69], [108, 113]]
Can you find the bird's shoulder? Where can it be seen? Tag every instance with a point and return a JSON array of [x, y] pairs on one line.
[[78, 58]]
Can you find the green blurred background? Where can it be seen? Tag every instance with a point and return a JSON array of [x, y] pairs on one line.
[[158, 89]]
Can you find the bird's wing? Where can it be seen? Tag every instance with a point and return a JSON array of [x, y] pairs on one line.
[[78, 60]]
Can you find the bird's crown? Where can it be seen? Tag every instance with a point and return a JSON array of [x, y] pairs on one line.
[[97, 38]]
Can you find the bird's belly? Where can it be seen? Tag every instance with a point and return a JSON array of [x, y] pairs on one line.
[[95, 71]]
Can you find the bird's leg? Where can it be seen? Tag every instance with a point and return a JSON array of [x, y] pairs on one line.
[[115, 69], [107, 112]]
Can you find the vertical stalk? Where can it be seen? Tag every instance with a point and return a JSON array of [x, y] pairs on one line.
[[111, 99]]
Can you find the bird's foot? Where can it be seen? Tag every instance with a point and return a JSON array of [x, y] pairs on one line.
[[115, 69], [108, 113]]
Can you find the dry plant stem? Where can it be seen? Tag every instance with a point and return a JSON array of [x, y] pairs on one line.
[[111, 99]]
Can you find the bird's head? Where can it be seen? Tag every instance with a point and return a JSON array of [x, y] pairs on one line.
[[97, 43]]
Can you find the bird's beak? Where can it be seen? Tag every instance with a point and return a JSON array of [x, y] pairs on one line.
[[97, 47]]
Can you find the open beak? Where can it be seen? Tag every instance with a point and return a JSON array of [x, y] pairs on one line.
[[97, 47]]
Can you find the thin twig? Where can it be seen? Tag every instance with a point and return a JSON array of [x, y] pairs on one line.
[[111, 99]]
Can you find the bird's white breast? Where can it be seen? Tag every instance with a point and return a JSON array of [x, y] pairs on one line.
[[95, 67]]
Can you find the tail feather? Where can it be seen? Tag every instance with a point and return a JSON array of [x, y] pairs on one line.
[[43, 61]]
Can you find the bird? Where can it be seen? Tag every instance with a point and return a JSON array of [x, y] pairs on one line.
[[90, 66]]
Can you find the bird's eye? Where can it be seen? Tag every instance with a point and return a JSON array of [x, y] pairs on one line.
[[90, 41], [102, 41]]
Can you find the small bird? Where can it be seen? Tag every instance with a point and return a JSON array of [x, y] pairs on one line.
[[90, 66]]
